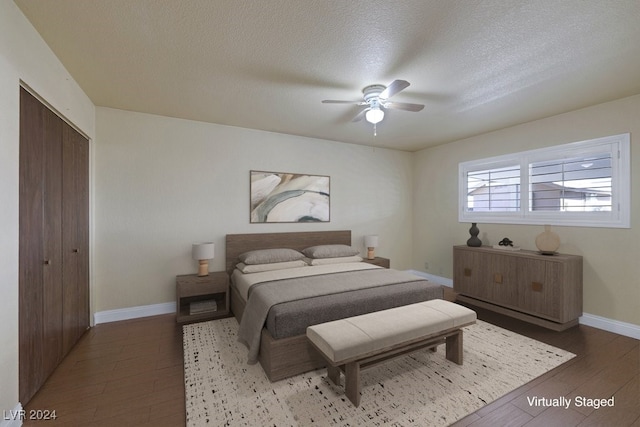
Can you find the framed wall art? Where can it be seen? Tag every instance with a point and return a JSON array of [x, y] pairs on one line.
[[289, 197]]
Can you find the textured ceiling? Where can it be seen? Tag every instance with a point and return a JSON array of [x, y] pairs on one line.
[[476, 65]]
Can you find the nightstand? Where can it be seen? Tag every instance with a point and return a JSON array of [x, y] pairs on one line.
[[201, 298], [379, 261]]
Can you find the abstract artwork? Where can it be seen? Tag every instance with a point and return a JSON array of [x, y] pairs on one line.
[[289, 197]]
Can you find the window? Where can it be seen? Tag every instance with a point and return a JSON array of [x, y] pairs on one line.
[[494, 190], [584, 183]]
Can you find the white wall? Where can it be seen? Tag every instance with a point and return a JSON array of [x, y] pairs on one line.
[[610, 256], [23, 56], [162, 184]]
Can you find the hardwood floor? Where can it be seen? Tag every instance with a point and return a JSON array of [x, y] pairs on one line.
[[126, 373], [131, 374], [605, 365]]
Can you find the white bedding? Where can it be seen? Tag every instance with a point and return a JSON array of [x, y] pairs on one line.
[[242, 282]]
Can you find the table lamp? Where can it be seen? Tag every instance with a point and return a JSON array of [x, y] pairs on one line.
[[203, 252], [371, 242]]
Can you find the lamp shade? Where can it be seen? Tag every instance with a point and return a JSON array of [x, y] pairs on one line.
[[374, 115], [200, 251], [371, 241]]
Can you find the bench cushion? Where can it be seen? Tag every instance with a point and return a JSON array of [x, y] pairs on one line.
[[347, 339]]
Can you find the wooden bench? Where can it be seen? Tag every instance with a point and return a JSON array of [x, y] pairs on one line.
[[359, 342]]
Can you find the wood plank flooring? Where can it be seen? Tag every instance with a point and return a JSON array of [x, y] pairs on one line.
[[126, 373], [131, 374], [606, 365]]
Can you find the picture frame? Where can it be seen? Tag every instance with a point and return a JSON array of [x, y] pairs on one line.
[[284, 197]]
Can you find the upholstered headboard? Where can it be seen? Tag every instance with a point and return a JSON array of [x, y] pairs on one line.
[[237, 244]]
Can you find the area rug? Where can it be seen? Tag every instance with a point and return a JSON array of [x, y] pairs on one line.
[[422, 389]]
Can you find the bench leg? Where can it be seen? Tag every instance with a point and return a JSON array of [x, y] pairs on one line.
[[352, 380], [333, 372], [454, 347]]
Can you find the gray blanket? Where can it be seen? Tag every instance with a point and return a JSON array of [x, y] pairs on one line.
[[263, 296]]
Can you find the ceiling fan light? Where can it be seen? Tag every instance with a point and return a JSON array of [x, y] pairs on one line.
[[374, 115]]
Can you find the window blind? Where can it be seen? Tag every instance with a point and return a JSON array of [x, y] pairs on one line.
[[584, 183], [494, 190], [576, 184]]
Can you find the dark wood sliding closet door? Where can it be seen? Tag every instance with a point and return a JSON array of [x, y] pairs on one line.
[[51, 267], [54, 242], [75, 237]]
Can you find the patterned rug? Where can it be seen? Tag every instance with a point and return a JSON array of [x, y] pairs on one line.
[[422, 389]]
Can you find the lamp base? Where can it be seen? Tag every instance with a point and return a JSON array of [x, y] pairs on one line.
[[370, 253], [203, 270]]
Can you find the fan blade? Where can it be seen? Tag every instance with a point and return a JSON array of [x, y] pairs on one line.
[[335, 101], [395, 87], [360, 115], [403, 106]]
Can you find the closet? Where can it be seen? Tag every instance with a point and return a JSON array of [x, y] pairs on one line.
[[54, 242]]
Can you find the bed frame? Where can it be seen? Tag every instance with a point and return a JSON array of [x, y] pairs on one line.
[[281, 358]]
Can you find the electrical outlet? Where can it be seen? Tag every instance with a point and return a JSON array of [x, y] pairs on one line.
[[426, 265]]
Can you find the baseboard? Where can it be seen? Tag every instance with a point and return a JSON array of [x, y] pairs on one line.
[[615, 326], [14, 417], [610, 325], [133, 313]]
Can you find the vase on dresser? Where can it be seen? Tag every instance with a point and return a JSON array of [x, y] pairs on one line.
[[547, 242], [474, 241]]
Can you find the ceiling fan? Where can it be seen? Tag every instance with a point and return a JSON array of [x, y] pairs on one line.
[[376, 99]]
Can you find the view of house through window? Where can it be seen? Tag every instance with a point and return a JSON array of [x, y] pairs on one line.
[[494, 190], [581, 183], [578, 184]]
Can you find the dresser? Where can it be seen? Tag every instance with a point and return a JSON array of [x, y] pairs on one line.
[[541, 289]]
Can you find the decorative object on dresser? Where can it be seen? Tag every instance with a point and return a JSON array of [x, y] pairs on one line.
[[545, 290], [371, 243], [506, 244], [289, 197], [474, 241], [379, 261], [203, 252], [201, 298], [547, 242]]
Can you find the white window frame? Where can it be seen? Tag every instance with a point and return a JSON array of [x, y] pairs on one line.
[[618, 217]]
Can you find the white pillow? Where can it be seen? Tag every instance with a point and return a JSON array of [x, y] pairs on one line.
[[338, 260], [258, 268]]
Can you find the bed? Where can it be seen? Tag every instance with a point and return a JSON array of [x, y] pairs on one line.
[[283, 349]]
